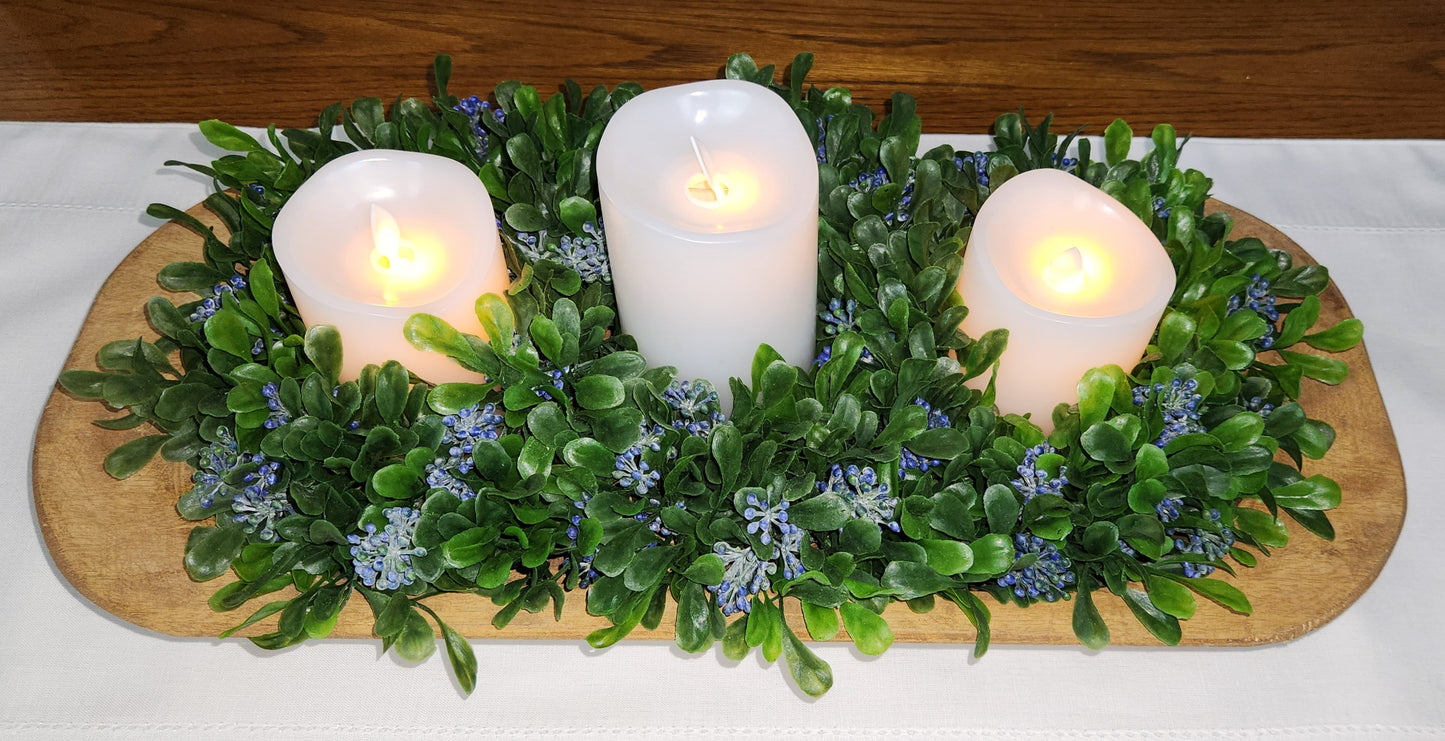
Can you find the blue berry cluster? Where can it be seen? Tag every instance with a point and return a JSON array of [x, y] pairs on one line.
[[1067, 163], [212, 303], [764, 518], [1257, 405], [585, 571], [822, 150], [827, 354], [631, 472], [1168, 509], [382, 558], [1258, 298], [744, 575], [586, 254], [279, 414], [525, 242], [651, 437], [695, 404], [475, 109], [1177, 402], [839, 316], [461, 432], [1047, 578], [867, 182], [216, 462], [259, 504], [555, 381], [911, 462], [979, 161], [652, 516], [1203, 542], [865, 495], [1032, 480], [901, 215]]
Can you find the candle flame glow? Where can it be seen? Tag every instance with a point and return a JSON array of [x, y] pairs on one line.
[[390, 256], [1065, 273], [705, 189]]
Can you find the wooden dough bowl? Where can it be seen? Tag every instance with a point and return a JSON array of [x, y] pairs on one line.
[[129, 561]]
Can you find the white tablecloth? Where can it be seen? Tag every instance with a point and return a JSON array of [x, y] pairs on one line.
[[72, 200]]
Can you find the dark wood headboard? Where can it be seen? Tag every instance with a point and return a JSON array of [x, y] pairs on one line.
[[1314, 68]]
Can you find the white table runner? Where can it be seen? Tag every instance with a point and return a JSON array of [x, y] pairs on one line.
[[72, 200]]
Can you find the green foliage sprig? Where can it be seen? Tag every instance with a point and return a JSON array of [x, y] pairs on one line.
[[873, 477]]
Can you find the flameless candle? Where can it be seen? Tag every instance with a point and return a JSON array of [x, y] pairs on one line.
[[376, 236], [710, 197], [1077, 279]]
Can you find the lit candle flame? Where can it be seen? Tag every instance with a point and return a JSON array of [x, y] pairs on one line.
[[705, 189], [390, 256], [1065, 273]]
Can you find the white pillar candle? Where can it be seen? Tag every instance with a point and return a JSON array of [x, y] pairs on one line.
[[710, 199], [378, 235], [1077, 279]]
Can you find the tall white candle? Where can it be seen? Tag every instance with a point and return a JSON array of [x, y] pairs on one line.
[[376, 236], [710, 198], [1077, 279]]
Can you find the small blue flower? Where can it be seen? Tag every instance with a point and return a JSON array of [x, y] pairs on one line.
[[259, 505], [634, 473], [744, 575], [838, 317], [279, 414], [1160, 209], [1209, 543], [696, 406], [1177, 402], [1032, 480], [1258, 298], [865, 495], [1047, 578], [383, 558], [912, 462]]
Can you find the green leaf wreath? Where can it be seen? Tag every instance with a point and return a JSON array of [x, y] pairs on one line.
[[873, 476]]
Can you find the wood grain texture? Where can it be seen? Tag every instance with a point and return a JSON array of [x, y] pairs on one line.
[[1324, 68], [129, 562]]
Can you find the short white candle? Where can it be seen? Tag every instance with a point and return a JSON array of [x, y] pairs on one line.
[[710, 199], [1077, 279], [378, 235]]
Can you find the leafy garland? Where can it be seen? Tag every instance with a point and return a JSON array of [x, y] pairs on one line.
[[874, 476]]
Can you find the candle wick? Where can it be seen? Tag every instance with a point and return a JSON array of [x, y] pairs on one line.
[[713, 185]]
